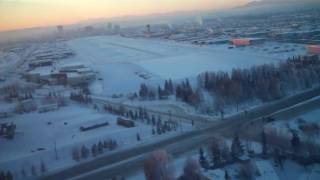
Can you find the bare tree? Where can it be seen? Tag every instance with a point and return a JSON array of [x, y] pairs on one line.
[[158, 167]]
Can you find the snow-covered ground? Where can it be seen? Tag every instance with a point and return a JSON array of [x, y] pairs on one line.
[[263, 169], [125, 61], [310, 119], [35, 138]]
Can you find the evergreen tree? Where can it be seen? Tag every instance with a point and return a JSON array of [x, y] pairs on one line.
[[33, 170], [9, 176], [138, 137], [2, 176], [295, 142], [236, 148], [226, 175], [100, 147], [76, 154], [94, 150], [43, 167], [84, 152], [264, 143], [202, 160]]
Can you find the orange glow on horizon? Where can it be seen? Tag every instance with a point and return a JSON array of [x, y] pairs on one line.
[[17, 14]]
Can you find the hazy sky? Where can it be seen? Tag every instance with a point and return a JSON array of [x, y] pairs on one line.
[[15, 14]]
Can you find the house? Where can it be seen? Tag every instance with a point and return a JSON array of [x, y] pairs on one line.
[[27, 105], [40, 63], [6, 110], [78, 79], [47, 107]]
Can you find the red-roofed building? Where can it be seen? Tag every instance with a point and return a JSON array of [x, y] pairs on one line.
[[246, 41], [314, 49], [241, 42]]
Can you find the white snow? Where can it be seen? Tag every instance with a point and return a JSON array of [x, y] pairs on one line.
[[121, 61], [33, 132]]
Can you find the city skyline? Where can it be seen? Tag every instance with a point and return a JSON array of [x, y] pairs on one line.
[[20, 14]]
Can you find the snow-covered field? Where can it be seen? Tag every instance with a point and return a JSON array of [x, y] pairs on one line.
[[309, 120], [130, 62], [35, 138]]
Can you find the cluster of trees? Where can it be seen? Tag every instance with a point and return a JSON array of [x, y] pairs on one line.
[[281, 145], [80, 97], [220, 153], [159, 166], [96, 149], [162, 128], [16, 91], [146, 93], [158, 125], [6, 175], [34, 171], [192, 171], [149, 93], [264, 82], [183, 91]]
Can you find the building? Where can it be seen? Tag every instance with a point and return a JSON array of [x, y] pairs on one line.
[[6, 110], [74, 79], [40, 63], [247, 41], [314, 49], [67, 74], [48, 107]]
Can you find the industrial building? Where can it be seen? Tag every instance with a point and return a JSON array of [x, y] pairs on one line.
[[246, 41], [72, 74], [314, 49]]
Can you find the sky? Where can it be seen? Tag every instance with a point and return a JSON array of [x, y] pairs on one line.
[[18, 14]]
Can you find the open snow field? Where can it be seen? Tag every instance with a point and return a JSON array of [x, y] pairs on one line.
[[35, 138], [130, 62]]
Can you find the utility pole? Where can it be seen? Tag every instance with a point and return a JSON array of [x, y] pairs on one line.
[[55, 150]]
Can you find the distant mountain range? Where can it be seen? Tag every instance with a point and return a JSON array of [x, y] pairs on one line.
[[260, 7], [280, 2]]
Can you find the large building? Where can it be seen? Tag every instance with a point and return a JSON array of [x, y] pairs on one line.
[[71, 74], [246, 41], [314, 49]]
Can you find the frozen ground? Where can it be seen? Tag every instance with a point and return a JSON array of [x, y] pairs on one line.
[[126, 61], [34, 132], [266, 168], [294, 124]]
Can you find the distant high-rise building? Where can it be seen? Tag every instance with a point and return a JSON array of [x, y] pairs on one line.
[[109, 26], [148, 28], [116, 28], [60, 28]]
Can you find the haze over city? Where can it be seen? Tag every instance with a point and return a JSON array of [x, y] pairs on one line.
[[17, 14]]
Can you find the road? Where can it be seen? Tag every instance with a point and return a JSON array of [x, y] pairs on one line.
[[115, 163]]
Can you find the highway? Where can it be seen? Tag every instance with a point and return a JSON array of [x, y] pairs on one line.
[[117, 162]]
